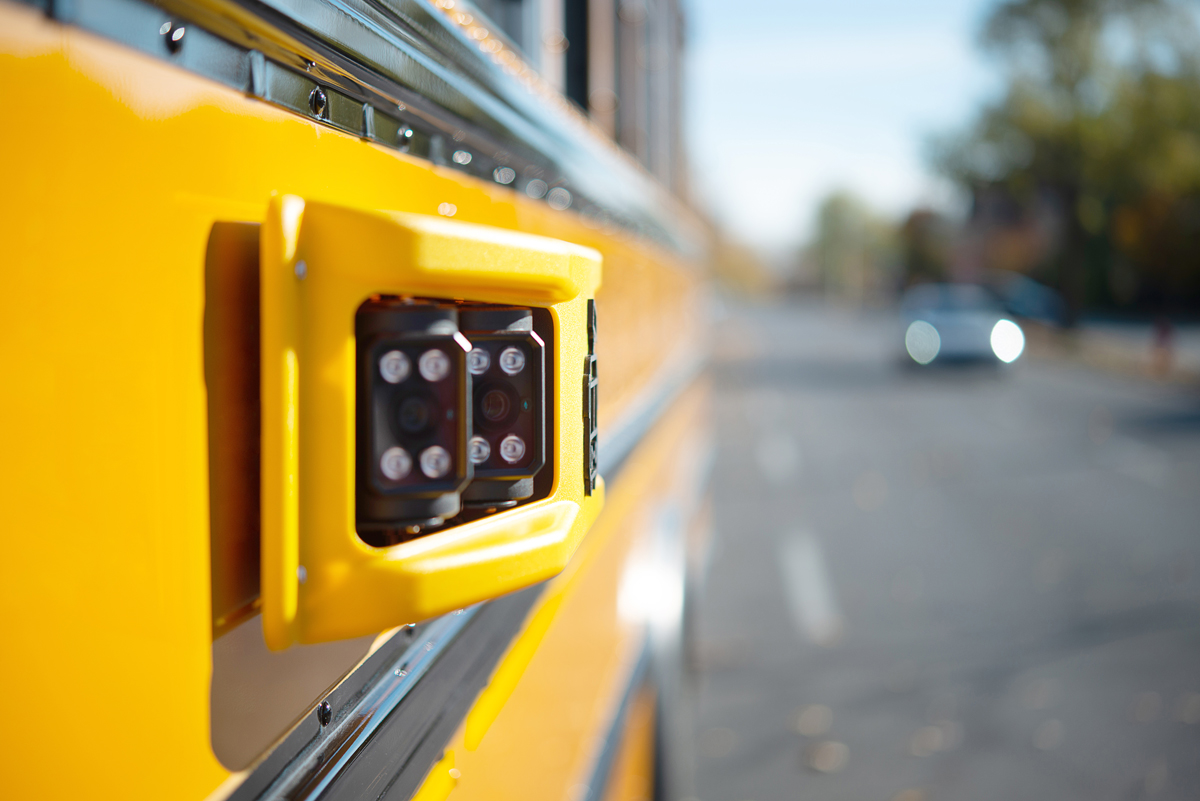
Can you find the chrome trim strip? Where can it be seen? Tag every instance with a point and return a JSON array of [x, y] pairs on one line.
[[601, 772], [410, 62], [380, 730], [618, 441], [313, 770]]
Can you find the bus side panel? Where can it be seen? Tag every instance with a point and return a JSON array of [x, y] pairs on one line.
[[120, 165]]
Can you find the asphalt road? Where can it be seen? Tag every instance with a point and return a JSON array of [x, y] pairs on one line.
[[943, 584]]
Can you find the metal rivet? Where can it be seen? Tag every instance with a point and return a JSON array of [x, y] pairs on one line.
[[536, 188], [559, 199], [324, 713], [318, 102], [301, 270]]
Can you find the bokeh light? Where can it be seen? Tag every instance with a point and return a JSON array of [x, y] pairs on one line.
[[1008, 341], [922, 342]]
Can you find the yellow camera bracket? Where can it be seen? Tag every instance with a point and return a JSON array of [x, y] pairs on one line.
[[319, 262]]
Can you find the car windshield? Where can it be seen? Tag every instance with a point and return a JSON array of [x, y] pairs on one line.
[[949, 297]]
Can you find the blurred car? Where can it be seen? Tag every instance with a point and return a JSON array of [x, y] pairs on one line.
[[958, 323], [1028, 299]]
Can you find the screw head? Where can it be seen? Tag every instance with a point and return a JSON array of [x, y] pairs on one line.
[[404, 137], [318, 102], [173, 35], [324, 713]]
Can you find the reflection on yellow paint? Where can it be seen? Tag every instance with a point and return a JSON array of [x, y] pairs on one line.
[[493, 698], [632, 777], [291, 470], [547, 711], [443, 778]]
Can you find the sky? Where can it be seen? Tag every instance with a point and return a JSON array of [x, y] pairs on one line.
[[789, 101]]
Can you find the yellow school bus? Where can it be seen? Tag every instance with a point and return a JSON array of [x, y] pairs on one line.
[[353, 418]]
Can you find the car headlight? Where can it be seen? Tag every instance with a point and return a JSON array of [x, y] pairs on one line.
[[922, 342], [1008, 341]]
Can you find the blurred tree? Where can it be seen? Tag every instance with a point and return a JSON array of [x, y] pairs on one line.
[[925, 243], [853, 249], [739, 267], [1099, 127]]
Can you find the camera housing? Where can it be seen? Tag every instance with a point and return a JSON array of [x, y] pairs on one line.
[[507, 364], [412, 433]]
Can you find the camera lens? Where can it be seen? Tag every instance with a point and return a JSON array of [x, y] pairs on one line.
[[414, 415], [495, 406]]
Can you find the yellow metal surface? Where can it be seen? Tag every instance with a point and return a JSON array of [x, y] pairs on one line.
[[113, 182], [632, 777], [308, 403], [536, 730], [442, 778]]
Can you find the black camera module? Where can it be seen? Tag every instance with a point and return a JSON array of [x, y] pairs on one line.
[[507, 364], [413, 423]]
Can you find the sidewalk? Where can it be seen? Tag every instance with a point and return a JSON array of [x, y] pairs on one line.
[[1127, 348]]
